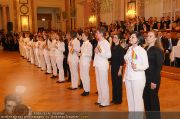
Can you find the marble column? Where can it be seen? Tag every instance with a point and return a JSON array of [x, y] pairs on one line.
[[1, 18], [11, 11], [68, 20], [4, 18]]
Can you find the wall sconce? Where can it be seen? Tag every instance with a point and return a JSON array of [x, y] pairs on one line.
[[131, 13], [92, 19], [24, 23]]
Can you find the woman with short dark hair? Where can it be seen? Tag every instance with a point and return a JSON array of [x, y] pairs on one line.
[[136, 63]]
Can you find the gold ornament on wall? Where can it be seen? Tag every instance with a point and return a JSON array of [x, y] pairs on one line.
[[24, 9], [23, 1]]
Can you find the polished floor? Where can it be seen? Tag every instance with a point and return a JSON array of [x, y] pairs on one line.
[[43, 94]]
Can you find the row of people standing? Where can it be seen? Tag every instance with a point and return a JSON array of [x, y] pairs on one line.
[[138, 77]]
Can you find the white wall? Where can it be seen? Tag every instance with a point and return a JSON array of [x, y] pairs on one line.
[[153, 8]]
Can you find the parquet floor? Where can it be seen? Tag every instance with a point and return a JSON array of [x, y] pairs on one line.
[[43, 94]]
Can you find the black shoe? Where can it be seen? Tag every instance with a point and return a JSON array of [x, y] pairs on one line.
[[117, 103], [60, 81], [96, 92], [53, 77], [96, 103], [85, 93], [47, 73], [80, 86]]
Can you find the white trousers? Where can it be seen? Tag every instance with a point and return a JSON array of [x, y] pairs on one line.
[[102, 85], [38, 57], [35, 57], [27, 53], [21, 49], [32, 56], [42, 61], [84, 74], [134, 89], [48, 61], [74, 74], [59, 61], [53, 63]]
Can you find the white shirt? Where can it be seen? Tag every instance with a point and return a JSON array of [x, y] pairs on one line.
[[86, 52], [101, 59], [60, 49], [41, 46], [141, 64], [26, 40], [75, 45], [52, 47]]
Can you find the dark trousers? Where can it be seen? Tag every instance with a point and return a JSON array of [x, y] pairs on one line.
[[167, 59], [151, 102], [66, 69], [116, 86], [177, 62]]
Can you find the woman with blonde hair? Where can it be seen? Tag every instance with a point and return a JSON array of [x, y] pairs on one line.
[[153, 77]]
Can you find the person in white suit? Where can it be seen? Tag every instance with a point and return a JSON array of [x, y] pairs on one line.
[[37, 54], [21, 44], [85, 60], [34, 50], [46, 54], [136, 63], [26, 48], [52, 47], [41, 52], [101, 64], [32, 58], [60, 48], [73, 59]]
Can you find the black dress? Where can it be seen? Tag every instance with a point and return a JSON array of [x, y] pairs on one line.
[[153, 75], [117, 60]]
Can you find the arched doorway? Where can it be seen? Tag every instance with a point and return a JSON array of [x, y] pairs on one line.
[[49, 18]]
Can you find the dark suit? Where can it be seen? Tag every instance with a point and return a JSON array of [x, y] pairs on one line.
[[65, 64], [150, 96], [155, 25], [168, 47], [138, 27], [117, 60]]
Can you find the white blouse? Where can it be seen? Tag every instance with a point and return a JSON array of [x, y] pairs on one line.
[[86, 51], [60, 49], [141, 62]]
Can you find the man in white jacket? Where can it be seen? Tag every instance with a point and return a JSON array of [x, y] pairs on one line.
[[85, 60], [102, 53], [46, 54], [52, 47]]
